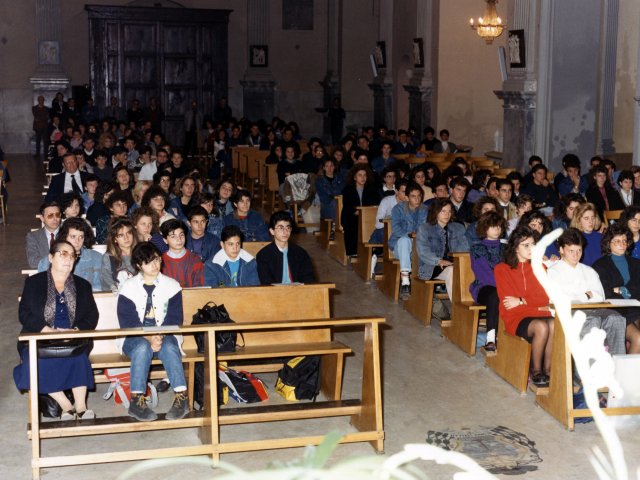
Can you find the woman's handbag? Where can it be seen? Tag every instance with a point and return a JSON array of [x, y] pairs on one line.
[[64, 348], [213, 314]]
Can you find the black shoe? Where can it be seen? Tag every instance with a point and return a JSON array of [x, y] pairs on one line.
[[440, 289], [405, 289], [162, 386], [490, 347], [540, 380], [139, 409], [179, 408]]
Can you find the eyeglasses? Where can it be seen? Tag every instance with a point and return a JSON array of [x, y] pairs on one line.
[[619, 242], [64, 254], [53, 215], [282, 228]]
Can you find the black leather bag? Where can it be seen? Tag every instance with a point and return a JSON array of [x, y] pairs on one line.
[[214, 314], [63, 348]]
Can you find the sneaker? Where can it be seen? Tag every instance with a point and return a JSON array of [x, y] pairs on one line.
[[374, 262], [68, 415], [405, 290], [139, 409], [86, 415], [179, 408]]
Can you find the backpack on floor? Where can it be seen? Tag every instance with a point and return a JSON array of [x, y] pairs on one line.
[[244, 387], [120, 387], [198, 388], [299, 379]]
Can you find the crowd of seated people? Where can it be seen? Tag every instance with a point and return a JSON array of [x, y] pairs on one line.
[[163, 215]]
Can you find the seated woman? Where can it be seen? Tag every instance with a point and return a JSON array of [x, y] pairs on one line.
[[524, 304], [151, 299], [250, 222], [406, 218], [436, 240], [116, 263], [419, 175], [224, 192], [89, 262], [628, 195], [564, 209], [360, 191], [232, 266], [540, 224], [581, 284], [156, 199], [98, 209], [147, 228], [71, 205], [289, 165], [483, 205], [485, 255], [524, 204], [122, 177], [137, 193], [118, 205], [478, 185], [620, 277], [586, 219], [631, 219], [601, 193], [186, 192], [387, 186], [57, 300], [215, 221], [328, 186]]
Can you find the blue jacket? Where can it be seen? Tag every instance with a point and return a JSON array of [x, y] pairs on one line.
[[253, 227], [218, 274], [430, 245], [327, 191], [210, 246], [404, 221], [88, 266], [378, 164], [215, 225]]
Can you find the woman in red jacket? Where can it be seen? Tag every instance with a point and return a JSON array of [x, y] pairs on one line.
[[524, 305]]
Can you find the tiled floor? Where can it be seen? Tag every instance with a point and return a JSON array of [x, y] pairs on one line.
[[428, 383]]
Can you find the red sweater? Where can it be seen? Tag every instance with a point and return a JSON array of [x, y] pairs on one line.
[[520, 282], [188, 271]]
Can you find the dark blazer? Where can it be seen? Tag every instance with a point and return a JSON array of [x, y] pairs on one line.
[[465, 213], [34, 297], [56, 188], [593, 195], [270, 260], [611, 278]]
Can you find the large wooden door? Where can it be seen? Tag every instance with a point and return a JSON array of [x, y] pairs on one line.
[[175, 54]]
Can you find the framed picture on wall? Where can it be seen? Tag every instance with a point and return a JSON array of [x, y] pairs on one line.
[[380, 54], [418, 53], [259, 55], [516, 49], [49, 53]]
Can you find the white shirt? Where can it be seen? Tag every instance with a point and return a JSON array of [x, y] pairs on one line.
[[384, 209], [147, 171], [67, 181], [575, 282], [627, 198]]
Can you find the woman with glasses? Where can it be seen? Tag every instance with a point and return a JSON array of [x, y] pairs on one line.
[[116, 263], [631, 219], [56, 300], [282, 261]]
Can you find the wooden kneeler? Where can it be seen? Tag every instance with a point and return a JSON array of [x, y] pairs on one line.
[[390, 282], [366, 226], [512, 359], [462, 330]]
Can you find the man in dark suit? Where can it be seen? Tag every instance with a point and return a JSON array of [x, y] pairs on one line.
[[71, 180], [39, 241], [445, 146]]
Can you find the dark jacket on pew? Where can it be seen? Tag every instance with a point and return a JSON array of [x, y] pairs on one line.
[[270, 263], [611, 278], [348, 217], [34, 298]]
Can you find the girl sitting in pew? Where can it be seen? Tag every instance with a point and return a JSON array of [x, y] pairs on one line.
[[483, 205], [485, 255], [631, 219], [524, 304], [360, 191], [587, 220]]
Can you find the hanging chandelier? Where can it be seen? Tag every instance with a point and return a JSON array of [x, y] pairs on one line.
[[490, 25]]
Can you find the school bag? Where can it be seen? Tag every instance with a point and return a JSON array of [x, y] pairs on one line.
[[299, 379]]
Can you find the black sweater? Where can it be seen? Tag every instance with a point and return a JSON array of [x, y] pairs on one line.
[[270, 262]]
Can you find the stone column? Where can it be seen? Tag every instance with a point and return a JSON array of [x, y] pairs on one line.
[[382, 85], [331, 81], [519, 117], [608, 88], [382, 103], [49, 77], [258, 84], [421, 87], [636, 117]]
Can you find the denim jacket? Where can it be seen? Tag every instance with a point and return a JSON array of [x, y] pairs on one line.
[[326, 191], [253, 227], [430, 245], [88, 266], [404, 221]]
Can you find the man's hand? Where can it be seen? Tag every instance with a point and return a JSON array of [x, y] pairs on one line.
[[156, 342]]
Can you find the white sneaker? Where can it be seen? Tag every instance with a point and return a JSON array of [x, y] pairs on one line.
[[374, 261], [86, 415], [69, 415]]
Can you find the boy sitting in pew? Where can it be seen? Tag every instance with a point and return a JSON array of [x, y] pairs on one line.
[[232, 266]]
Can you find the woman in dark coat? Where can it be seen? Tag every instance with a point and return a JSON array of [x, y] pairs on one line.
[[360, 191], [57, 300]]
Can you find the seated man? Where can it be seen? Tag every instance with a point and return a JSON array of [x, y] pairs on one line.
[[543, 194], [250, 222], [199, 241], [463, 210], [151, 299], [179, 263], [582, 284], [71, 180], [384, 210], [231, 266], [282, 261], [444, 145], [385, 159], [39, 241], [569, 180], [505, 189]]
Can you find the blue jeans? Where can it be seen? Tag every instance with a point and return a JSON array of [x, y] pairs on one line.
[[402, 252], [138, 349]]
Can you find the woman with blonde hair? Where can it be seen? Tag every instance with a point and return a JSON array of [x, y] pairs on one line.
[[586, 219], [138, 191]]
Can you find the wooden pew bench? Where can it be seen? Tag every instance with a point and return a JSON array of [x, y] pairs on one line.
[[336, 247], [366, 226], [365, 413], [389, 284]]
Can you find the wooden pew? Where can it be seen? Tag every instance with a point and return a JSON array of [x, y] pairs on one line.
[[512, 359], [557, 400], [462, 330], [253, 158], [389, 284], [367, 224], [420, 303], [254, 247], [365, 413], [273, 185], [336, 248]]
